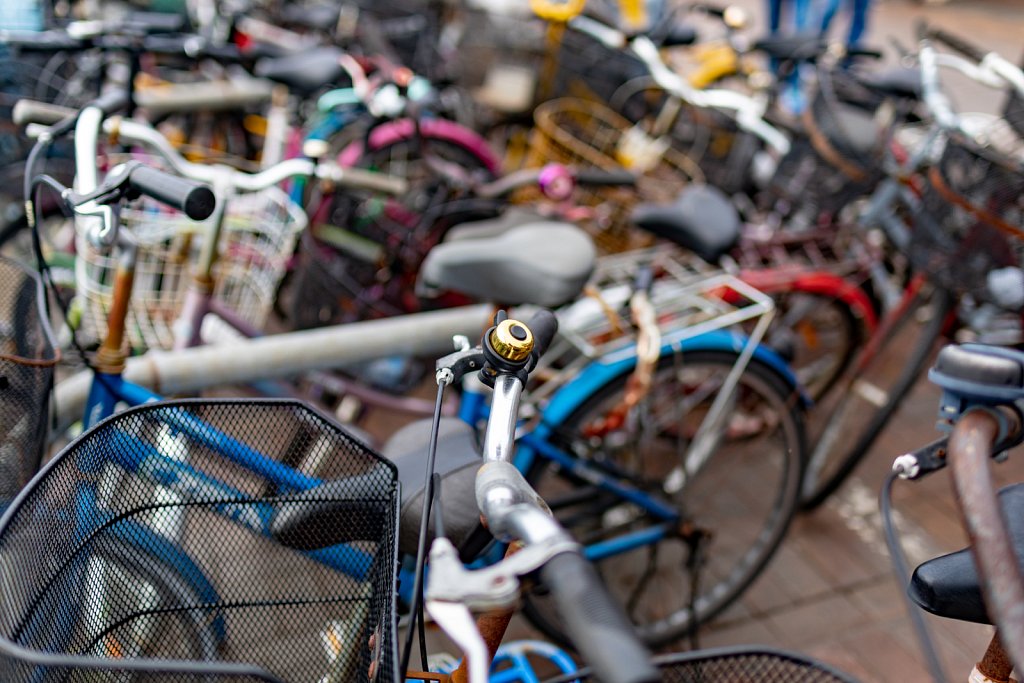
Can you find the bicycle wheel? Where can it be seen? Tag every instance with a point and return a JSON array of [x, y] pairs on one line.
[[738, 504], [364, 263], [818, 335], [147, 608], [869, 397]]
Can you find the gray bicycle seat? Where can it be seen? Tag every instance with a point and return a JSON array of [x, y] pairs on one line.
[[305, 72], [948, 585], [325, 514], [701, 219], [859, 133], [457, 461], [545, 263], [493, 227]]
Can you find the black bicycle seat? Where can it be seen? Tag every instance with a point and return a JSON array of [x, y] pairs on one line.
[[678, 34], [701, 219], [305, 72], [795, 48], [896, 81], [948, 585], [317, 17]]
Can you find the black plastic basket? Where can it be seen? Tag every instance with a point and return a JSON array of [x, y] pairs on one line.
[[970, 219], [738, 665], [27, 360], [145, 551]]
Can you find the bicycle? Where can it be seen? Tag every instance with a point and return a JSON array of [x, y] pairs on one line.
[[943, 219], [980, 411]]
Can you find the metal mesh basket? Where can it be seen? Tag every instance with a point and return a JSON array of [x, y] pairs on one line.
[[27, 360], [840, 156], [256, 244], [970, 219], [146, 546], [586, 134], [739, 665]]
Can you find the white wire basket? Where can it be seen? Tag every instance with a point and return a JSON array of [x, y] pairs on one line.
[[257, 240]]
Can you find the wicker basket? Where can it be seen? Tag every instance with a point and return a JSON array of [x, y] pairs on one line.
[[586, 134], [256, 244]]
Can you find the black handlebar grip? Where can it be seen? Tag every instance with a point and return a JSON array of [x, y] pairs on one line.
[[957, 43], [868, 52], [597, 625], [597, 176], [196, 200], [543, 325]]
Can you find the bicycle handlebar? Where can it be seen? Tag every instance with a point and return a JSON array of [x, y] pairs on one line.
[[195, 200], [1002, 583], [596, 624], [135, 132]]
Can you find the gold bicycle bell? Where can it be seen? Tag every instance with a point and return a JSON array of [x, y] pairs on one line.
[[512, 340]]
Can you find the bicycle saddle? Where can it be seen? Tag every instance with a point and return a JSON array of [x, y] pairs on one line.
[[701, 219], [317, 17], [948, 585], [320, 519], [898, 81], [797, 48], [545, 263], [458, 459], [304, 72]]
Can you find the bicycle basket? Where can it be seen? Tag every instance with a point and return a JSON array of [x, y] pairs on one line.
[[970, 219], [256, 243], [738, 665], [586, 134], [143, 551], [27, 360]]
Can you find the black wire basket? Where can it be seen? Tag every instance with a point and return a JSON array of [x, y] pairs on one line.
[[970, 219], [27, 359], [839, 156], [152, 549], [738, 665]]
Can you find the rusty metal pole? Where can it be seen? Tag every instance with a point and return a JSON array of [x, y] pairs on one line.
[[1002, 584], [996, 664]]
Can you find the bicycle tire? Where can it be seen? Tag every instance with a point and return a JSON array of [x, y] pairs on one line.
[[761, 394], [185, 629], [800, 336], [854, 409], [324, 292]]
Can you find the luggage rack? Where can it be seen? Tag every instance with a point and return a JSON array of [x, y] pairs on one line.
[[690, 298]]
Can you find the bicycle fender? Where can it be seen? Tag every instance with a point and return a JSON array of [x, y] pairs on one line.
[[821, 283], [597, 374], [432, 129]]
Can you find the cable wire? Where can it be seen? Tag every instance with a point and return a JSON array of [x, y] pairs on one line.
[[415, 609], [899, 566]]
